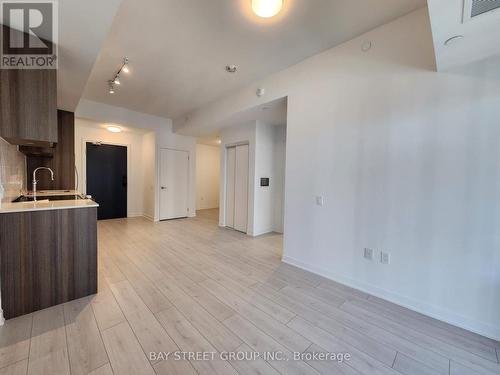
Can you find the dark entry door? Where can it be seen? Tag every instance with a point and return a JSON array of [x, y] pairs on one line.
[[107, 179]]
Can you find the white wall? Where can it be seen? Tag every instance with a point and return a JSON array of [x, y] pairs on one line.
[[266, 159], [207, 176], [269, 162], [163, 138], [89, 131], [149, 174], [408, 162]]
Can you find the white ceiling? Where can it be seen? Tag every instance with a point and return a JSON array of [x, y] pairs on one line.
[[272, 113], [104, 126], [481, 34], [83, 26], [178, 48]]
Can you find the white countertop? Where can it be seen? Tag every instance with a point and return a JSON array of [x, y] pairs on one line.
[[44, 205]]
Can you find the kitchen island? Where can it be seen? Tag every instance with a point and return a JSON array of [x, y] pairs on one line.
[[48, 253]]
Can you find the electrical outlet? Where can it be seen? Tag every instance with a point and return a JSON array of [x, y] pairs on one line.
[[320, 200], [385, 258], [368, 254]]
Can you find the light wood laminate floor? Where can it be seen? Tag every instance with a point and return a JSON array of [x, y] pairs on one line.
[[188, 285]]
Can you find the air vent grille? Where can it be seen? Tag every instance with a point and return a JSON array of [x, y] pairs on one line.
[[483, 6]]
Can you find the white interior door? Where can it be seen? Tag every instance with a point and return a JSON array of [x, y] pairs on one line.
[[174, 184], [230, 179], [241, 189]]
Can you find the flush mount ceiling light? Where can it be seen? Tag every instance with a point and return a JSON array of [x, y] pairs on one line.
[[116, 80], [267, 8], [114, 129]]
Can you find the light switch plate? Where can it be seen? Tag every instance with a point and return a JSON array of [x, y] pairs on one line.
[[368, 253], [320, 200], [385, 258]]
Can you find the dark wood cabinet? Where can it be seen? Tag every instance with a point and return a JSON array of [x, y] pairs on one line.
[[60, 158], [47, 258], [28, 106]]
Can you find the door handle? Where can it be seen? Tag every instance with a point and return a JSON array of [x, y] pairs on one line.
[[163, 188]]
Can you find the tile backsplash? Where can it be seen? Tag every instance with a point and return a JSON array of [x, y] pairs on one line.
[[12, 171]]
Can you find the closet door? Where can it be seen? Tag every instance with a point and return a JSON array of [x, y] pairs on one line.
[[230, 182], [241, 189], [174, 184]]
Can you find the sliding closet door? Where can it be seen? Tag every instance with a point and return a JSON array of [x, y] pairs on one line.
[[237, 187], [230, 181], [241, 189]]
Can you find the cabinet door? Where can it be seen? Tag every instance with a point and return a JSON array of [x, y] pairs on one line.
[[28, 106], [47, 258]]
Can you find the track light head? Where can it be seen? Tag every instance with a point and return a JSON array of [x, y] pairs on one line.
[[116, 79], [125, 65]]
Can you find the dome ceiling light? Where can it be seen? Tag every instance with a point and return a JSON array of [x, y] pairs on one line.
[[267, 8]]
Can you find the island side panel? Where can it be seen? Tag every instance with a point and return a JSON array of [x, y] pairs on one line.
[[47, 258], [85, 255]]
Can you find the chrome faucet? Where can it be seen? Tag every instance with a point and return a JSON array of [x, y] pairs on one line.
[[34, 177]]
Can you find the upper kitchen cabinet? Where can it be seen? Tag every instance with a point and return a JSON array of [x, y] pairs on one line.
[[28, 106]]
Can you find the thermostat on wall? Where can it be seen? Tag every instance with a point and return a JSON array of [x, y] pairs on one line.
[[264, 181]]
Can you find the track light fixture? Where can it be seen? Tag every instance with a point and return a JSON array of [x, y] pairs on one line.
[[116, 80]]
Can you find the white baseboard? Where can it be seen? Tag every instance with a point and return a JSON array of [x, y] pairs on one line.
[[150, 218], [2, 319], [134, 214], [447, 316], [261, 232], [207, 208]]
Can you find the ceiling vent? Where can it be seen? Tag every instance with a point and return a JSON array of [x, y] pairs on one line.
[[475, 8]]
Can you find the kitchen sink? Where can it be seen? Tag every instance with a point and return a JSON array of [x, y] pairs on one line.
[[30, 198]]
